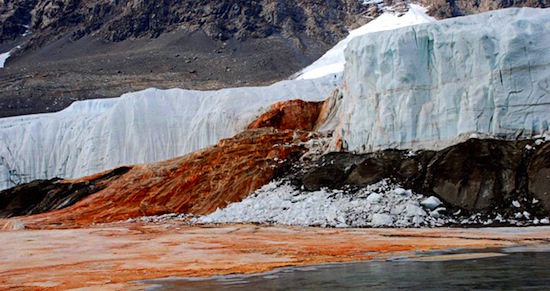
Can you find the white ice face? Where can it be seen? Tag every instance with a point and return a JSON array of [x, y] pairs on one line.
[[332, 62], [146, 126], [433, 85]]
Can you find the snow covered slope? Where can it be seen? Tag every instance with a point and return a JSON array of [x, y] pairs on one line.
[[431, 85], [146, 126], [3, 58], [332, 62]]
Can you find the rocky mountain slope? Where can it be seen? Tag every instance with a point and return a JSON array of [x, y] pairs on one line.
[[74, 50], [452, 8]]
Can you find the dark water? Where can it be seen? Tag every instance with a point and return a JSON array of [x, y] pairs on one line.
[[514, 271]]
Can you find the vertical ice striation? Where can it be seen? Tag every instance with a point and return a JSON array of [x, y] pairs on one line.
[[146, 126], [431, 85], [332, 62]]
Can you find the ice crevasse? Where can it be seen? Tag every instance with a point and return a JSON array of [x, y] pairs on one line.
[[433, 85]]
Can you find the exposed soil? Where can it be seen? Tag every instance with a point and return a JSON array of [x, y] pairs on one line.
[[64, 71]]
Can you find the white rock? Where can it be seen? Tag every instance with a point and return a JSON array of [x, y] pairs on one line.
[[325, 207], [545, 221], [435, 214], [418, 220], [400, 191], [381, 220], [516, 204], [431, 202], [414, 210], [374, 198]]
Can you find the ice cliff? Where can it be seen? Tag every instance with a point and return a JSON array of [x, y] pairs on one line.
[[332, 62], [431, 85], [146, 126]]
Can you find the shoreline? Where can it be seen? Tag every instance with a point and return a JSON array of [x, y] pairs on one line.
[[116, 256]]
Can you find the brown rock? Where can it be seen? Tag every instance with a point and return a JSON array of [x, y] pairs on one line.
[[293, 114], [446, 9]]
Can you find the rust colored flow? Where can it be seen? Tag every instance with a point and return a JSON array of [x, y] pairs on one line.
[[196, 183], [114, 256], [293, 114]]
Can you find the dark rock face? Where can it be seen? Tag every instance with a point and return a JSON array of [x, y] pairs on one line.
[[46, 195], [539, 175], [476, 175], [451, 8], [15, 16], [325, 20]]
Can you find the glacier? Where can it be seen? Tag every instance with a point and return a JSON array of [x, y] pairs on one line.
[[332, 62], [152, 125], [140, 127], [432, 85]]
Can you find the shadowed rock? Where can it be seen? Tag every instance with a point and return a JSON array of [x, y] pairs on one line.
[[539, 175], [476, 175], [46, 195]]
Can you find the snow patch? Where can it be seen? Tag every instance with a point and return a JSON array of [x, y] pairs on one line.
[[3, 58]]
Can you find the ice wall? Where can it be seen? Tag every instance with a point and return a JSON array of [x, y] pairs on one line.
[[332, 62], [431, 85], [146, 126]]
